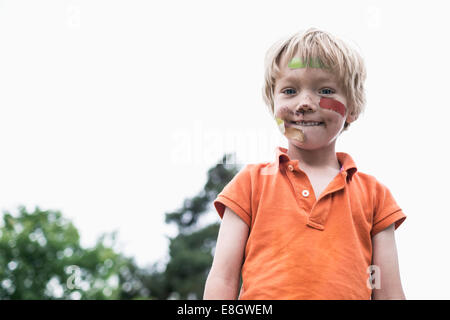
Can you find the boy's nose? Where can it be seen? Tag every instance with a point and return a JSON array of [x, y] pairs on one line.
[[303, 108], [305, 105]]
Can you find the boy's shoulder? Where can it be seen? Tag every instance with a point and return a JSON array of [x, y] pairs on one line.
[[366, 177], [255, 170]]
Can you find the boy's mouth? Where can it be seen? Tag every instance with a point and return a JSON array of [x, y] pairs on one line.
[[307, 123]]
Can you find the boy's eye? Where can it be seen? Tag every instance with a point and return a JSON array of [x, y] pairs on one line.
[[326, 91], [289, 91]]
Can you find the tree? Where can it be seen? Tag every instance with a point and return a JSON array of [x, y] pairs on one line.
[[191, 251], [41, 258]]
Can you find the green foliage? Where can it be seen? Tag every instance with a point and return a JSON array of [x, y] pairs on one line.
[[191, 258], [188, 215], [41, 258], [191, 251]]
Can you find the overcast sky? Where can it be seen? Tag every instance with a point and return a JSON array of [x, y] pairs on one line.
[[113, 111]]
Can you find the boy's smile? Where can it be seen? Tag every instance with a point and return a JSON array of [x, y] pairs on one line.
[[310, 100]]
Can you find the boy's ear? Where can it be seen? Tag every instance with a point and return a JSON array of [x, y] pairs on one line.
[[351, 117]]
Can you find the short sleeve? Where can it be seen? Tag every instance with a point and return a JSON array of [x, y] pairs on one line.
[[386, 210], [237, 196]]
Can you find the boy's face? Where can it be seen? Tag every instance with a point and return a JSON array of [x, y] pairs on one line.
[[309, 94]]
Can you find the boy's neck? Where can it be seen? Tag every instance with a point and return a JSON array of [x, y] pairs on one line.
[[324, 158]]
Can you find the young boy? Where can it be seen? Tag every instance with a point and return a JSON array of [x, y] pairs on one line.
[[308, 225]]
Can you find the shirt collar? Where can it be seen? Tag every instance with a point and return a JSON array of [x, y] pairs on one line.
[[346, 161]]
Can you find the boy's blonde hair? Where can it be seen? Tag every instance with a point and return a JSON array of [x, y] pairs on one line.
[[317, 45]]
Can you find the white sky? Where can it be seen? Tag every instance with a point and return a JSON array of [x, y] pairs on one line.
[[113, 111]]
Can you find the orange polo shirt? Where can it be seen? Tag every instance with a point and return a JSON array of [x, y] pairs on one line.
[[300, 247]]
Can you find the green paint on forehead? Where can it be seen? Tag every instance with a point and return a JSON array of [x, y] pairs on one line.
[[297, 63], [316, 63]]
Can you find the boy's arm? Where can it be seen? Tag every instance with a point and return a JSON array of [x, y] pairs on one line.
[[223, 278], [385, 257]]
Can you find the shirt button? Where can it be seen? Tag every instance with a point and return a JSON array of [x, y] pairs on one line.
[[290, 167], [305, 193]]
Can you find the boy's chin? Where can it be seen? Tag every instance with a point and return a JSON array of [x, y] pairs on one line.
[[306, 145]]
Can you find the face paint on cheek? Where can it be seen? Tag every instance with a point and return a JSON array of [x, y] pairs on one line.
[[280, 124], [331, 104], [290, 132], [294, 133]]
